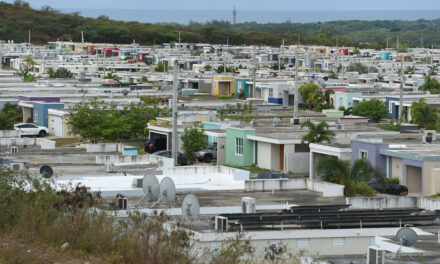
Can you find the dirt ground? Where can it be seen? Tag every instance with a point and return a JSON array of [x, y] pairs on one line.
[[13, 251]]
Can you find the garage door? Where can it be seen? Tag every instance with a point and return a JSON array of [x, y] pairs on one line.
[[56, 126]]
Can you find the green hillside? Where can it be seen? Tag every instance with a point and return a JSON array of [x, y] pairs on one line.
[[49, 25]]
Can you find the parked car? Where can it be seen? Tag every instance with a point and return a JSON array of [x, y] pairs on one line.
[[390, 188], [181, 160], [28, 129], [207, 155], [155, 145], [272, 175]]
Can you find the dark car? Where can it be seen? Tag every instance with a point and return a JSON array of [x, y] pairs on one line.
[[155, 145], [181, 160], [207, 155], [271, 175], [390, 188]]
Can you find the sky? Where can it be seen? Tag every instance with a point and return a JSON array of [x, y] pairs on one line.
[[240, 4]]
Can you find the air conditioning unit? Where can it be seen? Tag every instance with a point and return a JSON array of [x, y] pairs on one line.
[[16, 166], [375, 256], [122, 203], [430, 134], [339, 126], [427, 140], [248, 205], [254, 123], [14, 150], [294, 121], [137, 183], [221, 223]]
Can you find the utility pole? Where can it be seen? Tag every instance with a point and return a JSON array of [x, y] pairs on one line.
[[82, 36], [175, 114], [401, 91], [29, 36], [254, 88], [295, 101], [234, 13]]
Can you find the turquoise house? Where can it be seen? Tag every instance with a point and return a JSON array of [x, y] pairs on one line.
[[385, 55], [239, 149], [242, 84], [345, 99]]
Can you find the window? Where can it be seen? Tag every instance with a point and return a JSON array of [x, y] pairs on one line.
[[338, 241], [239, 86], [270, 92], [363, 154], [238, 146], [302, 242]]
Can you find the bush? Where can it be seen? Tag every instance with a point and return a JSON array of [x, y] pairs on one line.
[[153, 122], [350, 188], [203, 91], [164, 122], [394, 181], [224, 96], [364, 189]]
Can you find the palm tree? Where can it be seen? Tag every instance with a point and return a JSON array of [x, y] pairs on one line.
[[423, 115], [317, 133], [347, 111]]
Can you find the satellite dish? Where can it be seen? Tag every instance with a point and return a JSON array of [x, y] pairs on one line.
[[406, 237], [124, 92], [167, 190], [150, 186], [46, 171], [190, 208], [160, 163], [275, 121]]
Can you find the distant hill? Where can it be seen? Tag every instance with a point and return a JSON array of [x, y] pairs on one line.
[[49, 25]]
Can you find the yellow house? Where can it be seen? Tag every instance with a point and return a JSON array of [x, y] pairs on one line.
[[223, 85]]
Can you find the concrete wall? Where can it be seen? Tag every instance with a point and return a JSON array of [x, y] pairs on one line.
[[394, 202], [43, 143], [46, 144], [327, 189], [431, 177], [247, 158], [382, 203], [104, 147], [298, 163], [9, 133], [118, 160]]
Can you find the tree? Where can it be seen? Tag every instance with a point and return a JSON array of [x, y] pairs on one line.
[[9, 115], [193, 140], [374, 109], [423, 115], [30, 63], [27, 77], [432, 70], [60, 73], [307, 90], [21, 3], [317, 133], [207, 67], [334, 170], [162, 66], [347, 111], [357, 67], [431, 85]]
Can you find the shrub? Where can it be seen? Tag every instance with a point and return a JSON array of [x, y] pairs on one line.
[[203, 91], [153, 122], [350, 188], [364, 189], [164, 122], [224, 96], [394, 181]]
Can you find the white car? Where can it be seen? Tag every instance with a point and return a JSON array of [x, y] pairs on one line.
[[28, 129]]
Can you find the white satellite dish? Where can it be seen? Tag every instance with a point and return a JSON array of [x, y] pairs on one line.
[[167, 191], [190, 208], [406, 237], [150, 187]]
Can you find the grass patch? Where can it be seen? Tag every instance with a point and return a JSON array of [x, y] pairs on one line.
[[60, 142], [435, 196]]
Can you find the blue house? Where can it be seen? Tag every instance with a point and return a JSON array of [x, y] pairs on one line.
[[241, 84], [40, 112], [385, 55]]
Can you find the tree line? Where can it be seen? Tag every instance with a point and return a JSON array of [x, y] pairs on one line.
[[49, 24]]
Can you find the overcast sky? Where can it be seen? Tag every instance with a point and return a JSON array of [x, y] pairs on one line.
[[241, 4]]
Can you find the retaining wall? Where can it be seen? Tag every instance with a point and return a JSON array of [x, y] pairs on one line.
[[393, 202], [264, 185], [9, 134], [104, 147]]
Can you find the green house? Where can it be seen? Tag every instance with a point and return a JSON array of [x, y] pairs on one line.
[[239, 150]]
